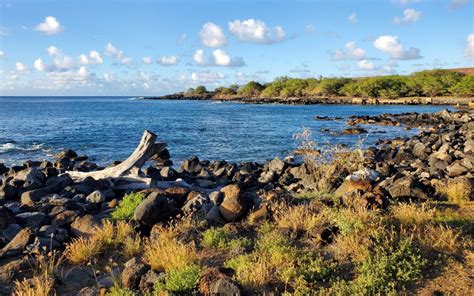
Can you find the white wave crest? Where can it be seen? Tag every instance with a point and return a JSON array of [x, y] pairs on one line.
[[11, 147]]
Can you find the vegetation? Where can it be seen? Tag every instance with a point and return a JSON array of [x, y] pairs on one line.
[[181, 281], [127, 206], [429, 83]]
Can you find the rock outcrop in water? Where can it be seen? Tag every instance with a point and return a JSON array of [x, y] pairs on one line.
[[41, 208]]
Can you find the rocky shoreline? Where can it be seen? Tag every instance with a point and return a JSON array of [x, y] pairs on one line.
[[43, 209], [453, 101]]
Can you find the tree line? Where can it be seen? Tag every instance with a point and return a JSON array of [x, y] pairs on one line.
[[429, 83]]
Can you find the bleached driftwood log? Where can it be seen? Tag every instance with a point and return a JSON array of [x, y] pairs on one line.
[[128, 174]]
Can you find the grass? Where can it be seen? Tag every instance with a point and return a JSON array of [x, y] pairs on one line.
[[456, 190], [169, 254], [180, 281], [127, 206], [111, 236], [413, 214], [220, 239], [300, 218]]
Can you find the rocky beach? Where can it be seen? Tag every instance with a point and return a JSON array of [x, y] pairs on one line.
[[48, 214]]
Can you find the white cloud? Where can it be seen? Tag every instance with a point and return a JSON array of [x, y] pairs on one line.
[[404, 2], [49, 26], [256, 31], [469, 50], [212, 36], [2, 54], [350, 52], [392, 46], [83, 73], [111, 50], [218, 58], [147, 60], [168, 61], [93, 58], [410, 15], [199, 58], [20, 67], [353, 18], [206, 77], [456, 4], [63, 62], [365, 65], [53, 51], [39, 65]]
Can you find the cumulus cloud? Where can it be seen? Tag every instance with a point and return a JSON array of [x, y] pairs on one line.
[[39, 65], [456, 4], [147, 60], [218, 58], [93, 58], [53, 51], [256, 31], [168, 60], [63, 62], [353, 18], [350, 52], [199, 58], [111, 50], [410, 15], [20, 67], [2, 54], [207, 76], [82, 72], [212, 36], [365, 65], [49, 26], [469, 50], [391, 45]]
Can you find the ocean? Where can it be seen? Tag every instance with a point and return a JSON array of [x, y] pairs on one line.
[[109, 128]]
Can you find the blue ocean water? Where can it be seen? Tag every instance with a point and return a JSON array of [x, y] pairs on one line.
[[109, 128]]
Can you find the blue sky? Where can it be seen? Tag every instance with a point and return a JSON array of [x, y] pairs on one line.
[[155, 47]]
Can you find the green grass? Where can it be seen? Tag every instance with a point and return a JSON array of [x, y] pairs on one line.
[[219, 239], [118, 291], [179, 281], [127, 206]]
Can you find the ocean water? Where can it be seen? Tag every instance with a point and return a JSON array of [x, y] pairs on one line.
[[109, 128]]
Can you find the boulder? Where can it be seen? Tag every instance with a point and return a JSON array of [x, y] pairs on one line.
[[85, 226], [152, 209], [31, 219], [148, 281], [456, 169], [17, 244], [68, 153], [214, 217], [224, 287], [96, 197], [277, 165], [354, 131], [232, 207], [407, 188], [132, 273]]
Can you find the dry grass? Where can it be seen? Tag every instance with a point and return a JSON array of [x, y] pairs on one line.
[[456, 190], [168, 254], [109, 237], [300, 218], [82, 250], [413, 214]]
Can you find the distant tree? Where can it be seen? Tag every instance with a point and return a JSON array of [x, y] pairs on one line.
[[465, 87], [331, 86], [251, 89], [200, 90], [294, 87], [190, 90], [436, 82], [351, 89]]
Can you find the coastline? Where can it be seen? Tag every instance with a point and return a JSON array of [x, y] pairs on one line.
[[452, 101], [47, 206]]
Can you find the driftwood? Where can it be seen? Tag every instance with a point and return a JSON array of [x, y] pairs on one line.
[[128, 174]]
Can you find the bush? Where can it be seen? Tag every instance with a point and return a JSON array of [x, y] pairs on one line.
[[182, 280], [169, 254], [219, 239], [251, 89], [127, 206]]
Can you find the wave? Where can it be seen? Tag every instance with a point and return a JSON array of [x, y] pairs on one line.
[[12, 147], [136, 98]]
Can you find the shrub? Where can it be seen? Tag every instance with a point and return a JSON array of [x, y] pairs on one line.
[[182, 280], [36, 286], [132, 246], [119, 291], [82, 250], [219, 239], [392, 266], [127, 206]]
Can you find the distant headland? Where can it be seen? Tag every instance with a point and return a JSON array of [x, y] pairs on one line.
[[437, 87]]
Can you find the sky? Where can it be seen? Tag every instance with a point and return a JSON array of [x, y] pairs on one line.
[[144, 48]]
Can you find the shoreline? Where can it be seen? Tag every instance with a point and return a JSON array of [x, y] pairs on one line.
[[451, 101], [54, 206]]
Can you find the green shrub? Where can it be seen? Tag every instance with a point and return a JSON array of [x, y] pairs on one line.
[[219, 239], [390, 268], [179, 281], [127, 206], [118, 291]]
